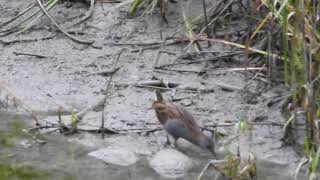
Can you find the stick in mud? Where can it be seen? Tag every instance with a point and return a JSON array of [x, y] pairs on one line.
[[80, 41], [107, 89], [29, 54], [214, 58]]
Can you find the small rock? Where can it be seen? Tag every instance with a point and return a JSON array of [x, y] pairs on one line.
[[39, 141], [260, 118], [24, 143], [171, 163], [186, 102]]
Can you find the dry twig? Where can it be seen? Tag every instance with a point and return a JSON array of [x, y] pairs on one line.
[[29, 54], [60, 28], [115, 64]]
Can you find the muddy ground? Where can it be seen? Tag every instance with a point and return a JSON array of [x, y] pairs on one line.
[[66, 77]]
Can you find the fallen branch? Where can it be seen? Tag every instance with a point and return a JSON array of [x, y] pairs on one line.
[[4, 42], [67, 130], [211, 163], [204, 169], [241, 69], [215, 58], [249, 49], [18, 15], [153, 87], [180, 70], [149, 44], [80, 41], [15, 28], [184, 89], [43, 127], [158, 83], [249, 123], [29, 54], [229, 88], [109, 1], [100, 130], [105, 72], [115, 64], [140, 130], [303, 162]]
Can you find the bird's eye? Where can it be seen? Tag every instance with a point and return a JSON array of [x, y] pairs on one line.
[[160, 108]]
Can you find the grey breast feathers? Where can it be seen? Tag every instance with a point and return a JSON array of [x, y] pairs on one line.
[[182, 124], [188, 120]]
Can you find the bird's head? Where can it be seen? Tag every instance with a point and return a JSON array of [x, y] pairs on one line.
[[159, 106], [206, 143]]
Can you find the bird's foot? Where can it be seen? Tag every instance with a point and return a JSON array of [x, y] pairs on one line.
[[167, 143], [176, 144]]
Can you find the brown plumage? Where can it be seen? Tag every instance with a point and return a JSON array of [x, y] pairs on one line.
[[179, 123]]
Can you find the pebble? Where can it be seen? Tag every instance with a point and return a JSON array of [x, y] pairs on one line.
[[171, 163]]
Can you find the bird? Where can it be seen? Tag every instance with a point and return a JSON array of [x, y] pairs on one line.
[[179, 123]]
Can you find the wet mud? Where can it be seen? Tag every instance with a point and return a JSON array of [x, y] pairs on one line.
[[67, 77]]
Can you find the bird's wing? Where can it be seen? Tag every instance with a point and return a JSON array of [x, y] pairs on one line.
[[159, 107], [186, 119]]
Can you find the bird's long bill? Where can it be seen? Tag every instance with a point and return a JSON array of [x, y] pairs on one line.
[[159, 96]]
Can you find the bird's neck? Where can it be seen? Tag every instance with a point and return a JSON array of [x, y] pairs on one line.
[[162, 117]]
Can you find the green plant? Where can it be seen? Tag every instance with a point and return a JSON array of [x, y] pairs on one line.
[[148, 6], [14, 131], [300, 50], [74, 121], [33, 16], [10, 172]]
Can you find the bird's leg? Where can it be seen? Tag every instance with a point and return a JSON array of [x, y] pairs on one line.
[[177, 147], [175, 142], [168, 141]]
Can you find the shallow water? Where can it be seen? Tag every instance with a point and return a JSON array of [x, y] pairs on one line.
[[61, 158]]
